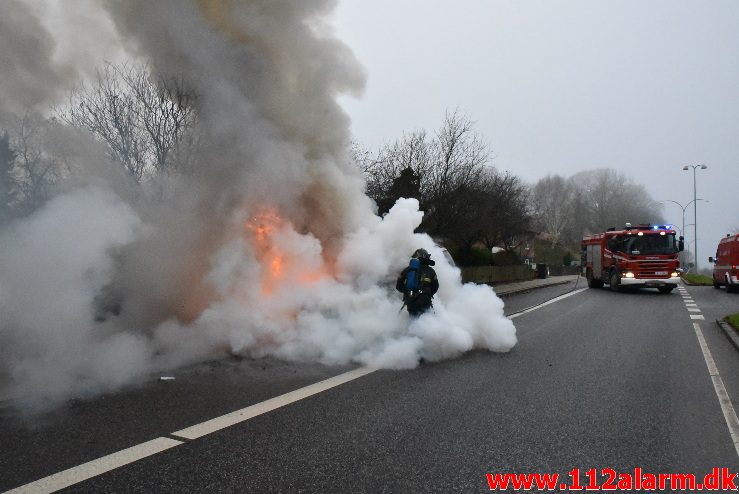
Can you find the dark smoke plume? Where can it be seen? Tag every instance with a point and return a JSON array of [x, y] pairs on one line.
[[270, 248]]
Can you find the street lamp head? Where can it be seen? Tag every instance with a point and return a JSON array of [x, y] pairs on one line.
[[685, 167], [703, 167]]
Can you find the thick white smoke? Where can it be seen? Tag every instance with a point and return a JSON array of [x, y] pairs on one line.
[[52, 266], [271, 249], [348, 315]]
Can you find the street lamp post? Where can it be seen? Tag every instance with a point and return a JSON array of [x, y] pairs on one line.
[[695, 208], [682, 232], [689, 224], [689, 250]]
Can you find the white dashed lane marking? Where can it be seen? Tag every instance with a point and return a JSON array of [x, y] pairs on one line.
[[691, 306]]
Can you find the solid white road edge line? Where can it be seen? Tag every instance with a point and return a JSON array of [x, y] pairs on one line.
[[556, 299], [218, 423], [718, 384], [93, 468], [110, 462]]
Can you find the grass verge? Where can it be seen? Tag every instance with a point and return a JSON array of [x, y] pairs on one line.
[[698, 279], [733, 319]]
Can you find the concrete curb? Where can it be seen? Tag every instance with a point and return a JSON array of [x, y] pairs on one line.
[[730, 333], [693, 284]]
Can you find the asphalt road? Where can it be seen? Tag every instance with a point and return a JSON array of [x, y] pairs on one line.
[[597, 380]]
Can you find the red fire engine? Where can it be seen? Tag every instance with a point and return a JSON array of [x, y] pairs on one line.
[[635, 257], [726, 267]]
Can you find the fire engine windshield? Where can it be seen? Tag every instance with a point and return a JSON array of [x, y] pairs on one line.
[[647, 244]]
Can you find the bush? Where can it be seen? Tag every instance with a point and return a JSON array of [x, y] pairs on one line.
[[552, 255], [481, 256], [473, 256], [506, 258]]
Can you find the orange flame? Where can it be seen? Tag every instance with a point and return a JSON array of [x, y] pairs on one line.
[[278, 265], [263, 226]]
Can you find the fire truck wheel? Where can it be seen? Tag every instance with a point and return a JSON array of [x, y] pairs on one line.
[[592, 282], [732, 288], [615, 282], [665, 289], [716, 284]]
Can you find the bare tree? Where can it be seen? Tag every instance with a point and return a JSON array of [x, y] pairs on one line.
[[507, 214], [447, 166], [34, 171], [383, 171], [459, 156], [147, 121], [166, 110], [465, 200], [107, 110], [611, 198], [552, 200], [589, 202]]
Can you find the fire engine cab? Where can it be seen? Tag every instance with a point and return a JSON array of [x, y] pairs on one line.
[[641, 256], [726, 263]]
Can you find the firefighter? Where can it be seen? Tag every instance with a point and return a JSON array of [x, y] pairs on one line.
[[418, 283]]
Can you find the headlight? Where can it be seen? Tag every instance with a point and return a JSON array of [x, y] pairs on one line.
[[628, 275], [675, 275]]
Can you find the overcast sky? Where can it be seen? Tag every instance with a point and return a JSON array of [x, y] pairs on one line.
[[645, 87]]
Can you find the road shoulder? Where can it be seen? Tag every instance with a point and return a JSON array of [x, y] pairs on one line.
[[730, 333]]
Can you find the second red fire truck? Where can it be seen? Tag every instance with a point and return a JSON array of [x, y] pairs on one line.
[[726, 267], [641, 256]]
